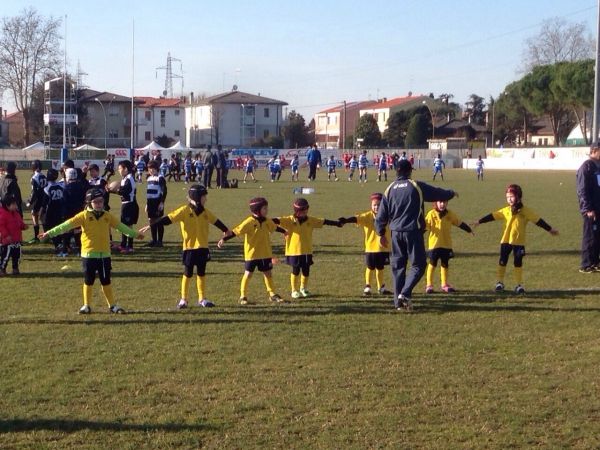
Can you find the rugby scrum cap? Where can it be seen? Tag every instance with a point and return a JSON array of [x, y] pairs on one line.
[[196, 192], [93, 193], [257, 203], [515, 189], [300, 204], [376, 196], [70, 174]]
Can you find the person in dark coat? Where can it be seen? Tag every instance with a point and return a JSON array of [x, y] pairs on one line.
[[10, 186], [588, 193]]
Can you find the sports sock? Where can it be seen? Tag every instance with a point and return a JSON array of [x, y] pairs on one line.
[[379, 277], [294, 282], [185, 284], [501, 272], [269, 284], [368, 276], [36, 231], [303, 282], [444, 275], [87, 293], [200, 286], [430, 270], [108, 294], [244, 284], [518, 275]]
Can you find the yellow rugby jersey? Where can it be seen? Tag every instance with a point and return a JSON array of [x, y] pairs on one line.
[[95, 231], [257, 238], [194, 227], [299, 240], [514, 229], [440, 228], [366, 220]]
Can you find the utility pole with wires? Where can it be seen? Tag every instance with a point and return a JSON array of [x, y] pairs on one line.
[[168, 91]]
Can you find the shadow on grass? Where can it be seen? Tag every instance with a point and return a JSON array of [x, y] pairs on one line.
[[20, 425]]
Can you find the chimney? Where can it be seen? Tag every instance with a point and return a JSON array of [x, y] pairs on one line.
[[191, 98]]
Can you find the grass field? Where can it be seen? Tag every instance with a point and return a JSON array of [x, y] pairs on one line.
[[475, 369]]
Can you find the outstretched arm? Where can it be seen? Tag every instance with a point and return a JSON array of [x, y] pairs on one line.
[[543, 224], [333, 223]]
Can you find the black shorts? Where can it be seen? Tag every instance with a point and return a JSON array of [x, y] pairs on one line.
[[377, 260], [440, 254], [91, 266], [518, 252], [35, 207], [130, 213], [152, 207], [263, 265], [299, 260], [197, 257]]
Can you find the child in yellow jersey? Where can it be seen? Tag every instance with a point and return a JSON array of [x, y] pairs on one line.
[[439, 223], [298, 243], [256, 230], [95, 226], [193, 219], [376, 255], [513, 237]]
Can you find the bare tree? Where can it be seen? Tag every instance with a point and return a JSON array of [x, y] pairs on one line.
[[558, 41], [29, 52]]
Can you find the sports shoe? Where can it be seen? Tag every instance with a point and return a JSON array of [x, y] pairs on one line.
[[206, 303], [295, 294], [16, 272], [116, 309], [589, 269], [159, 244], [448, 289], [519, 290], [276, 298], [367, 290], [182, 304], [305, 292], [384, 291], [404, 304], [429, 289], [151, 244], [35, 240], [499, 286], [2, 272], [243, 300], [85, 309]]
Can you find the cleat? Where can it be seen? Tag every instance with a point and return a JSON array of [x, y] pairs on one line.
[[206, 303], [243, 300], [295, 294], [182, 304], [85, 309], [2, 272], [116, 309], [384, 291], [276, 298], [519, 290], [33, 241], [499, 286], [16, 271], [305, 292], [429, 289], [589, 269], [367, 290], [448, 289], [151, 244], [404, 304]]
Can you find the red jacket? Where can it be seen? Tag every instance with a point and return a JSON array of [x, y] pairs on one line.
[[11, 225]]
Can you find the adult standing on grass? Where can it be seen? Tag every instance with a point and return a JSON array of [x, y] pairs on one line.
[[9, 185], [402, 209], [588, 193], [313, 158], [208, 166]]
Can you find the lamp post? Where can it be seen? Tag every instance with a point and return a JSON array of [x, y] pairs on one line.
[[104, 112], [432, 119]]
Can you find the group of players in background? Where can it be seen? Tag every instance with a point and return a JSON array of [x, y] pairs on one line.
[[74, 212]]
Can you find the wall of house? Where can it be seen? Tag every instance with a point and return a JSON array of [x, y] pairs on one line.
[[174, 124]]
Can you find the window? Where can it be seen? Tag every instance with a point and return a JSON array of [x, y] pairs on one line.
[[176, 112], [147, 136], [113, 110], [265, 134], [113, 134], [163, 114], [148, 115], [176, 133], [266, 112]]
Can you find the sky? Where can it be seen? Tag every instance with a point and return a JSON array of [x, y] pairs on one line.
[[311, 54]]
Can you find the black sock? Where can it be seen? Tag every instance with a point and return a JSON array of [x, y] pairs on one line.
[[36, 231]]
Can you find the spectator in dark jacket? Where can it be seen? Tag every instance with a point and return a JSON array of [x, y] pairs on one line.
[[402, 210], [313, 158], [588, 193], [74, 203], [9, 185], [208, 166]]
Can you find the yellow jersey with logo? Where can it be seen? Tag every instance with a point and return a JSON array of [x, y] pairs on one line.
[[440, 228], [366, 220], [194, 227], [299, 239], [95, 231], [257, 237], [515, 226]]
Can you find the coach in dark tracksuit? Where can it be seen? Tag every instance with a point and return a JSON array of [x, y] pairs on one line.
[[588, 193], [402, 209]]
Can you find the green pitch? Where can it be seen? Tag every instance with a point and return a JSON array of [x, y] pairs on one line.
[[474, 369]]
